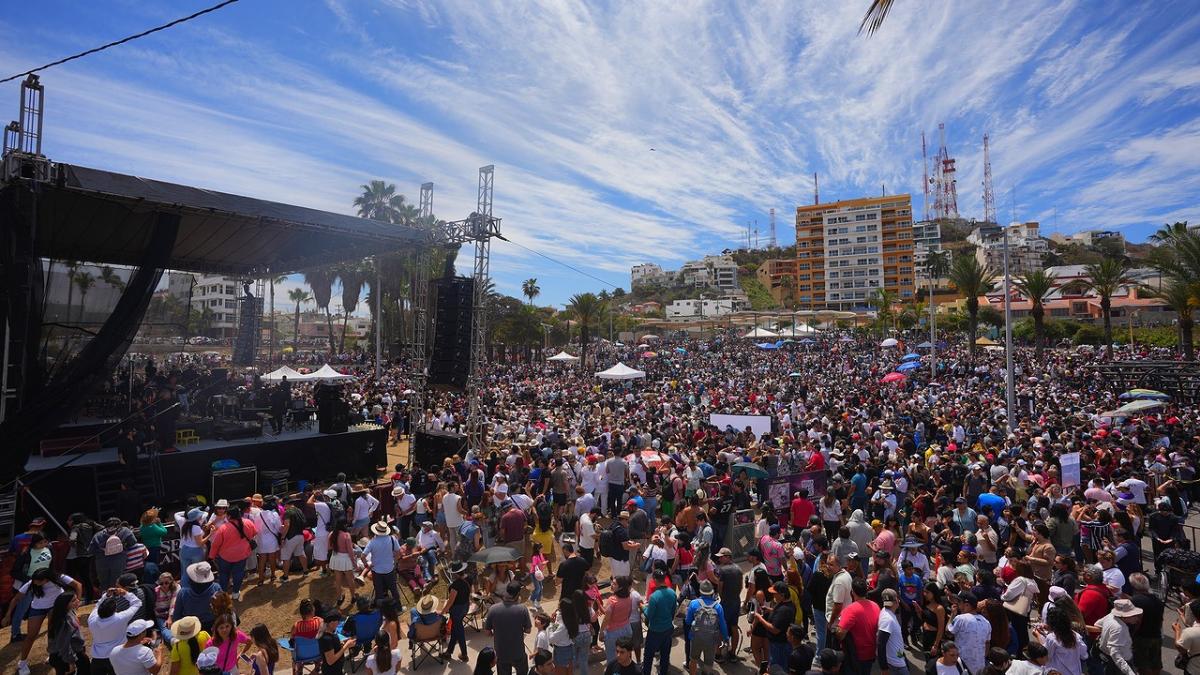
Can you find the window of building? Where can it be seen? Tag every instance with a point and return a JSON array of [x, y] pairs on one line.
[[229, 290]]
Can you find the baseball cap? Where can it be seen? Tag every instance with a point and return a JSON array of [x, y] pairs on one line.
[[137, 627]]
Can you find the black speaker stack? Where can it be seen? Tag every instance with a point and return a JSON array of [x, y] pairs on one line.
[[333, 413], [450, 362], [245, 345], [431, 448]]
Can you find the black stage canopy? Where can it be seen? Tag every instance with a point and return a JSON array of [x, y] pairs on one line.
[[104, 217]]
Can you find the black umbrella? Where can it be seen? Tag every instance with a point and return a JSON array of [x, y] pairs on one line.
[[496, 554]]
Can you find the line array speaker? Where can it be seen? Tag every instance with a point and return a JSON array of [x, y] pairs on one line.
[[450, 361]]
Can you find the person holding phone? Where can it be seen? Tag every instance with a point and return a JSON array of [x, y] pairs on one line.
[[140, 654]]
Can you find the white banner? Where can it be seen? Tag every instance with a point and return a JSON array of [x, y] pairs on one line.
[[760, 424], [1070, 468]]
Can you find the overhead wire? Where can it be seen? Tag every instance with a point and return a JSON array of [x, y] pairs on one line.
[[559, 262], [122, 41]]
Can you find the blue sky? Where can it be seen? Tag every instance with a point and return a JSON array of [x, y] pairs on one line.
[[1092, 109]]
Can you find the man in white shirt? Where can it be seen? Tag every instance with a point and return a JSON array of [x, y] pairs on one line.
[[107, 625], [584, 501], [972, 632], [1116, 640], [1114, 578], [452, 507], [137, 655], [585, 534], [890, 641]]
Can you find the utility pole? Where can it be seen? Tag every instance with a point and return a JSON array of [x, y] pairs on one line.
[[932, 332], [1009, 394]]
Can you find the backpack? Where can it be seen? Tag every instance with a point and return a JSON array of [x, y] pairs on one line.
[[113, 545], [706, 624], [465, 547], [84, 532]]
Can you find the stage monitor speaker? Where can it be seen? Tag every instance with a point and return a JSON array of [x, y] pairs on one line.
[[431, 448], [450, 360], [245, 345], [234, 484], [333, 416]]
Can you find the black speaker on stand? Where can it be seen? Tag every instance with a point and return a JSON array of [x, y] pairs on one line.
[[333, 413], [245, 344], [450, 359], [431, 448]]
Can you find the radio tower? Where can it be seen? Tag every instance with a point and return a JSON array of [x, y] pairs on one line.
[[989, 198], [945, 192], [925, 169], [771, 237]]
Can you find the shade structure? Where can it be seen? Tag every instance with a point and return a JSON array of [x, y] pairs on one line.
[[890, 342], [908, 365], [291, 375], [985, 341], [494, 555], [760, 333], [794, 330], [911, 357], [893, 377], [767, 345], [1149, 394], [621, 372], [326, 373], [1140, 406], [649, 337], [752, 470], [925, 345], [563, 357]]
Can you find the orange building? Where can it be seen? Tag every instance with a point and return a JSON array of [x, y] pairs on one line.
[[846, 250]]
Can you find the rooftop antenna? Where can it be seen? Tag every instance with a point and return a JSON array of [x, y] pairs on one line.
[[945, 191], [925, 183], [883, 189], [816, 190]]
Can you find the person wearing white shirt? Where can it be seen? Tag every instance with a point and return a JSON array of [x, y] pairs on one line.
[[1116, 640], [454, 516], [585, 535], [107, 625], [137, 655], [364, 505], [266, 521], [1114, 578], [584, 501]]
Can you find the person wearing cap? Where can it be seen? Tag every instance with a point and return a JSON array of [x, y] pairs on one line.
[[190, 524], [706, 628], [782, 616], [972, 632], [889, 644], [1116, 638], [381, 553], [138, 654], [429, 542], [730, 583], [508, 623], [405, 509], [659, 620]]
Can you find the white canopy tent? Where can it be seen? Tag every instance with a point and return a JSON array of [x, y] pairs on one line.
[[760, 333], [788, 330], [621, 372], [326, 373], [291, 375], [563, 357]]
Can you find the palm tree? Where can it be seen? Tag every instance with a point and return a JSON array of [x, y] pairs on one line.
[[298, 296], [72, 270], [530, 289], [353, 276], [587, 308], [273, 279], [85, 281], [111, 278], [1181, 298], [972, 280], [1105, 280], [875, 16], [882, 300], [320, 280], [379, 201], [1037, 285]]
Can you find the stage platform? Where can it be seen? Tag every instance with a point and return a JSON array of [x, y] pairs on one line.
[[90, 482]]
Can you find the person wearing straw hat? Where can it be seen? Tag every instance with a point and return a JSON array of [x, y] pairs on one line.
[[706, 628], [425, 612], [190, 640], [381, 553], [1116, 640]]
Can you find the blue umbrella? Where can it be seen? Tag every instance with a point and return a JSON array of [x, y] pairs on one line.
[[681, 350], [767, 345], [808, 341], [907, 366], [779, 343], [911, 357]]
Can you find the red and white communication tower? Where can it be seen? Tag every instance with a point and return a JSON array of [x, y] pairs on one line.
[[945, 192], [989, 198]]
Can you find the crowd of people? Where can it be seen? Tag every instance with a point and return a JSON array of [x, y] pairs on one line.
[[933, 533]]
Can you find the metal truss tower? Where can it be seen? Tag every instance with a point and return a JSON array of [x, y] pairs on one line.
[[989, 197], [945, 191], [418, 302], [483, 228], [771, 241]]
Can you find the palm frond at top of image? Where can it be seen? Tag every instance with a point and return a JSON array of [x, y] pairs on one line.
[[875, 16]]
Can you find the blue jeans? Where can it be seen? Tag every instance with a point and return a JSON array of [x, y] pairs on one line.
[[428, 561], [583, 649], [18, 614], [777, 653], [658, 643], [610, 641], [536, 594], [819, 627], [230, 574], [458, 632], [189, 555]]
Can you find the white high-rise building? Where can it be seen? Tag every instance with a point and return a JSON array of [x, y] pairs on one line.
[[218, 293]]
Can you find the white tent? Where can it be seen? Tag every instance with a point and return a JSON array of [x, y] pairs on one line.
[[327, 374], [788, 330], [291, 375], [563, 357], [621, 372], [760, 333]]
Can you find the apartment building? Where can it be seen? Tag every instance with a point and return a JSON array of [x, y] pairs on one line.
[[927, 238], [718, 272], [219, 294], [697, 309], [848, 249], [648, 274], [1026, 247], [778, 276]]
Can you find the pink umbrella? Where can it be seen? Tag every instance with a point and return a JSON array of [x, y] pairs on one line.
[[649, 355], [893, 377]]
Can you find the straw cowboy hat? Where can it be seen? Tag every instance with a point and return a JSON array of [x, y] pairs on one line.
[[381, 528], [427, 604], [186, 628]]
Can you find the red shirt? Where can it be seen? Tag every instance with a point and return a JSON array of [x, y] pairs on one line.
[[229, 544], [1093, 603], [512, 526], [802, 510], [861, 620]]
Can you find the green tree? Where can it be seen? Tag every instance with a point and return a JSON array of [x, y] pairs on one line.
[[1177, 258], [379, 201], [352, 276], [530, 289], [320, 281], [972, 280], [1105, 279], [272, 280], [587, 309], [298, 296], [109, 276], [1181, 298], [882, 300], [84, 281], [1036, 286]]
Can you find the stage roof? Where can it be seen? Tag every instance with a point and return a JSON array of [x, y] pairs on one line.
[[104, 217]]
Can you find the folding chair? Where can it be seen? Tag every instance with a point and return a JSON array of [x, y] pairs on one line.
[[305, 652], [366, 628], [428, 640], [476, 612]]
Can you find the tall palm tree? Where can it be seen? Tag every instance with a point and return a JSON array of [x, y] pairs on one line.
[[875, 16], [72, 270], [1037, 285], [110, 277], [352, 276], [84, 281], [587, 309], [530, 289], [1180, 296], [298, 296], [379, 201], [320, 280], [882, 300], [972, 280], [1105, 280], [273, 279]]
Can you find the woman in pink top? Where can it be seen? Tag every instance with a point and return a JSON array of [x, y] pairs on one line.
[[618, 610], [230, 546], [226, 638], [538, 570]]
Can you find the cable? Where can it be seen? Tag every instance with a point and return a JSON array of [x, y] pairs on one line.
[[122, 41], [559, 262]]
